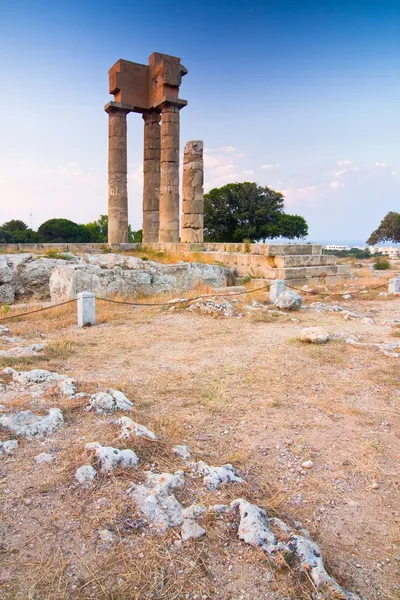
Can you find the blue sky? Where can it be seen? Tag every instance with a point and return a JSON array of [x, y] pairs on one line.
[[302, 96]]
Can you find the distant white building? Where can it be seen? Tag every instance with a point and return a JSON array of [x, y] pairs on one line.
[[336, 247], [390, 251]]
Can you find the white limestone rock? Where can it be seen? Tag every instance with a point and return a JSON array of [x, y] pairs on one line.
[[182, 451], [8, 447], [4, 331], [289, 300], [155, 499], [130, 427], [214, 307], [109, 457], [85, 475], [191, 530], [43, 457], [254, 526], [194, 511], [213, 477], [109, 402], [311, 561], [27, 351], [314, 335], [26, 424]]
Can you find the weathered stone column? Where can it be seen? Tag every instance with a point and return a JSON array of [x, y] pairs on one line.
[[169, 188], [117, 174], [193, 192], [151, 178]]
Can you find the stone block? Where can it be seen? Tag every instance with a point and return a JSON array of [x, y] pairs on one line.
[[86, 302]]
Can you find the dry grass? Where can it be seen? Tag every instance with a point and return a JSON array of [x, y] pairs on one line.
[[234, 391]]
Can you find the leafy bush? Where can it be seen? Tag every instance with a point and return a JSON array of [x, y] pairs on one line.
[[381, 265]]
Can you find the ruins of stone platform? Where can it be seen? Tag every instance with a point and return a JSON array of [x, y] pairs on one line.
[[297, 264], [26, 274]]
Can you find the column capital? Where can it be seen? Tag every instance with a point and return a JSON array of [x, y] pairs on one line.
[[172, 105], [152, 117], [112, 107]]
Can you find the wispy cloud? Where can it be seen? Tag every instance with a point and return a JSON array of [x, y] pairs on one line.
[[343, 163], [270, 166]]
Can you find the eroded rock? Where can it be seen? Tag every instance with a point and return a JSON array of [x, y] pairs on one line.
[[289, 300], [28, 425], [155, 498], [109, 457], [130, 427], [214, 307], [85, 475], [213, 477], [314, 335], [109, 402], [8, 447]]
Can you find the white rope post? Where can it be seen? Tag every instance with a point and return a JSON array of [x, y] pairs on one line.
[[277, 288], [86, 309], [394, 285]]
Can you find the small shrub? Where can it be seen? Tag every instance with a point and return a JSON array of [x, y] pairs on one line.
[[381, 265]]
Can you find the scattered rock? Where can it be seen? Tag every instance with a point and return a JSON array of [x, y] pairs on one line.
[[43, 457], [310, 558], [289, 300], [22, 352], [28, 425], [254, 529], [191, 530], [216, 476], [40, 377], [215, 307], [314, 335], [8, 447], [254, 526], [84, 475], [182, 451], [108, 402], [308, 464], [129, 427], [110, 457], [323, 307], [155, 499], [4, 330]]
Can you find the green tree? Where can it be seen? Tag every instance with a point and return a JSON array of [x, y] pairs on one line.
[[62, 230], [388, 230], [98, 230], [16, 231], [239, 211]]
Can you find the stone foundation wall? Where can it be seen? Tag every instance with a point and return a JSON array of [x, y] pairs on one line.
[[298, 263]]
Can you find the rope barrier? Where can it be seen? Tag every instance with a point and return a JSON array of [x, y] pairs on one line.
[[171, 303], [183, 300], [32, 312]]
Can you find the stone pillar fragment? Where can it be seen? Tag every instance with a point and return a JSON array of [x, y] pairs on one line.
[[151, 178], [86, 309], [193, 192], [394, 285], [277, 288], [169, 188], [117, 175]]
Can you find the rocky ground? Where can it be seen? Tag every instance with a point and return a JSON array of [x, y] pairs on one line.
[[101, 499]]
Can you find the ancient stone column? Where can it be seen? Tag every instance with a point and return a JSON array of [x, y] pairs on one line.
[[193, 192], [151, 178], [169, 188], [117, 175]]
